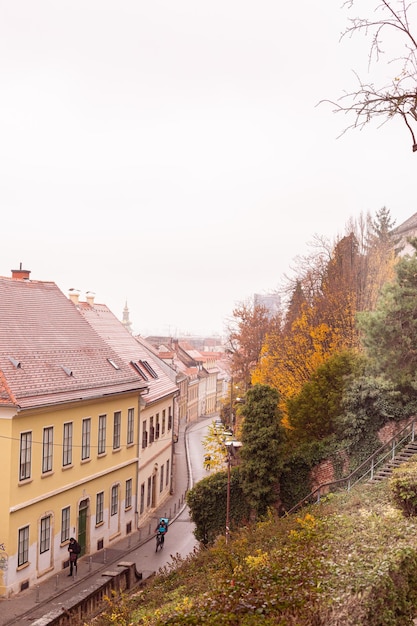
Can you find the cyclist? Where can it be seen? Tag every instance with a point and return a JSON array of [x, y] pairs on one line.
[[161, 530]]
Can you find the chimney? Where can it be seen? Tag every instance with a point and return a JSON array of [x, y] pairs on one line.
[[74, 295], [89, 296], [20, 274]]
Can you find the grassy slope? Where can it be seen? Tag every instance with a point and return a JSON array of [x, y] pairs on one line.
[[350, 560]]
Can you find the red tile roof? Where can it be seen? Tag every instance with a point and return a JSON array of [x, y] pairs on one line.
[[49, 354], [106, 324]]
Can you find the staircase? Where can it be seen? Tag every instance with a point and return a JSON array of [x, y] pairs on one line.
[[376, 468], [386, 471]]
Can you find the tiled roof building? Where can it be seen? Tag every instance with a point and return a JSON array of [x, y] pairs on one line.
[[70, 411]]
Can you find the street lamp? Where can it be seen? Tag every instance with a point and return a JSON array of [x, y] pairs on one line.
[[231, 446]]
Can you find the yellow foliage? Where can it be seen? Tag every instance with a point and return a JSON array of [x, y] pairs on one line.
[[260, 559]]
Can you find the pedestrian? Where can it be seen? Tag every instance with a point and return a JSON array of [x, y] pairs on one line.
[[74, 550]]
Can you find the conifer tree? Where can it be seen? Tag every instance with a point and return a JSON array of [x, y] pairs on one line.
[[261, 453], [389, 334]]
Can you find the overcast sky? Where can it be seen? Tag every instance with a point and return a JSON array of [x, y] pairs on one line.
[[171, 153]]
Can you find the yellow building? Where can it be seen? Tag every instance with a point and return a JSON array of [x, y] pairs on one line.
[[158, 412], [70, 435]]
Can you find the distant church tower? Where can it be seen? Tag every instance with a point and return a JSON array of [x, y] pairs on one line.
[[126, 321]]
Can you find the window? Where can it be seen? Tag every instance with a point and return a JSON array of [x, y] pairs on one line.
[[25, 455], [101, 447], [167, 473], [23, 555], [161, 479], [149, 369], [144, 435], [148, 499], [128, 498], [65, 524], [67, 445], [86, 437], [163, 420], [47, 449], [116, 430], [142, 498], [157, 426], [45, 534], [169, 419], [100, 507], [114, 500], [151, 430], [130, 425]]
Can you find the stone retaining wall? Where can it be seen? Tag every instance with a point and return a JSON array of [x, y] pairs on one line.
[[90, 602]]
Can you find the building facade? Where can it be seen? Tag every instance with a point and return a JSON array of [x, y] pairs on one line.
[[69, 434]]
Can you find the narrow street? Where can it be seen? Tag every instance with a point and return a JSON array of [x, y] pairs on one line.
[[180, 538]]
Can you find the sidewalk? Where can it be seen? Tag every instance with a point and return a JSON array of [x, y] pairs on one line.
[[36, 602]]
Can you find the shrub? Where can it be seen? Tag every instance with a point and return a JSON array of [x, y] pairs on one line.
[[403, 487]]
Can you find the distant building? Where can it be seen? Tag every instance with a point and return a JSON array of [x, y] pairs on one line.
[[126, 321], [404, 232], [271, 302]]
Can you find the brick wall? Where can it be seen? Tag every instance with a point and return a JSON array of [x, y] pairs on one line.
[[324, 472]]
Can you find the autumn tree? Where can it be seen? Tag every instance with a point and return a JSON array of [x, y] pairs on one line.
[[390, 25], [379, 257], [317, 325], [247, 330], [261, 453], [321, 313]]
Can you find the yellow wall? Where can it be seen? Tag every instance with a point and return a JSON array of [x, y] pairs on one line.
[[25, 503]]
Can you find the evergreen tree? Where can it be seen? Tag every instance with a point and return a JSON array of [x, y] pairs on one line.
[[314, 411], [261, 453], [389, 334]]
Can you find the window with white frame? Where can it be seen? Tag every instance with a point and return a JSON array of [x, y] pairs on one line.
[[148, 498], [130, 425], [23, 548], [100, 507], [142, 498], [144, 435], [114, 500], [117, 422], [167, 473], [161, 479], [25, 456], [102, 423], [47, 449], [65, 524], [45, 538], [86, 439], [128, 497], [67, 444], [151, 430]]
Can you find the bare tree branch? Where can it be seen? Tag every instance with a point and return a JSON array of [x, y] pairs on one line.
[[398, 98]]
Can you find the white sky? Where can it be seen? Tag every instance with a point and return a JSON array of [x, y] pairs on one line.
[[170, 152]]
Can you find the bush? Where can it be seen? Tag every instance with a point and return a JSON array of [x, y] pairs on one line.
[[403, 488], [207, 503]]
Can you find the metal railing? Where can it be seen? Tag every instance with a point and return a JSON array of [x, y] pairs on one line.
[[367, 469]]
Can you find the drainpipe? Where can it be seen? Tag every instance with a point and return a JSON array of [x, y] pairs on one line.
[[174, 439]]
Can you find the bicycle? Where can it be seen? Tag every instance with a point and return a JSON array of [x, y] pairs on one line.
[[159, 541]]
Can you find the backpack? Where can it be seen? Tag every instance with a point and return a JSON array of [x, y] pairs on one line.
[[76, 548]]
